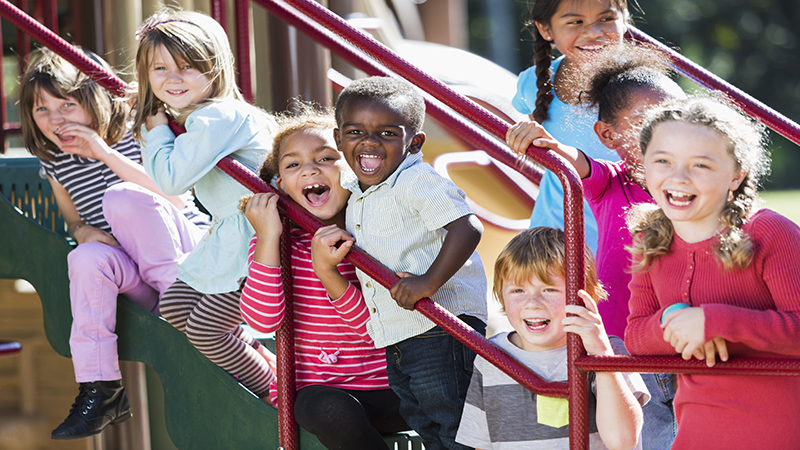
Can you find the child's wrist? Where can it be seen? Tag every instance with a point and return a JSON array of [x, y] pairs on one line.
[[672, 308]]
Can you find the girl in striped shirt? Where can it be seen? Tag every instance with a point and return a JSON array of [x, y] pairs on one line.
[[130, 235], [343, 395]]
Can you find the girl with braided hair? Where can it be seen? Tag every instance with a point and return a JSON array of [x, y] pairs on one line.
[[550, 91]]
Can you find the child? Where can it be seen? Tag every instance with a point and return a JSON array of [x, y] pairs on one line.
[[184, 65], [338, 367], [499, 413], [129, 235], [625, 84], [416, 223], [734, 271], [551, 93]]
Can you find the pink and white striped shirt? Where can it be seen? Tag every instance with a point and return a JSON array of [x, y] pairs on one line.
[[331, 342]]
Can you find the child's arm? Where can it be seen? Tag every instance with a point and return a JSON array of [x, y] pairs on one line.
[[684, 329], [263, 303], [345, 297], [463, 236], [212, 133], [325, 256], [521, 135], [80, 231], [89, 144], [619, 415]]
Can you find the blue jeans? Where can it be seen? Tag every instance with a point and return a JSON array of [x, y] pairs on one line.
[[430, 373], [660, 425]]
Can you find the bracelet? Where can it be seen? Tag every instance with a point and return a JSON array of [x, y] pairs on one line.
[[673, 307]]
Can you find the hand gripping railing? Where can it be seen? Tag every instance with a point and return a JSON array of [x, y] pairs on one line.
[[766, 115]]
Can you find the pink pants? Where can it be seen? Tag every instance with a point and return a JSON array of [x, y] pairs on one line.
[[153, 235]]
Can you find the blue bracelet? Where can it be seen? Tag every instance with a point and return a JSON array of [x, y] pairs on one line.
[[673, 307]]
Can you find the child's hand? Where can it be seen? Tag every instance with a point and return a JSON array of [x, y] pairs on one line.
[[411, 289], [521, 135], [88, 233], [262, 212], [87, 143], [324, 253], [588, 325], [684, 329], [159, 118]]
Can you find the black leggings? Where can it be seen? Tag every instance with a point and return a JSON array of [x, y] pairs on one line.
[[348, 419]]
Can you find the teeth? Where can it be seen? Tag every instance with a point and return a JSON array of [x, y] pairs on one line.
[[537, 324], [675, 195]]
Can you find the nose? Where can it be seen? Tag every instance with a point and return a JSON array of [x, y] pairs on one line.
[[309, 168], [370, 140], [593, 30], [56, 116]]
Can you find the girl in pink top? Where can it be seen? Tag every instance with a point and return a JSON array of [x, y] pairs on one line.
[[715, 278], [343, 395]]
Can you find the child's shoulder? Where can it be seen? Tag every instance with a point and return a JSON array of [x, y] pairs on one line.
[[766, 220]]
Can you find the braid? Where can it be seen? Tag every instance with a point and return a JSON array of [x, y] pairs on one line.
[[652, 232], [735, 248], [544, 84]]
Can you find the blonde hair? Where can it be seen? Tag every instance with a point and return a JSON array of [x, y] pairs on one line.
[[746, 142], [48, 72], [197, 39], [539, 252]]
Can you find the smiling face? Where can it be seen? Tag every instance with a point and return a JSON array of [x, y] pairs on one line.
[[580, 29], [690, 173], [50, 113], [178, 85], [375, 140], [309, 167], [536, 309]]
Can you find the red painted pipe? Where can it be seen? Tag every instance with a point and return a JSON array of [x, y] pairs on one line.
[[242, 11], [676, 364]]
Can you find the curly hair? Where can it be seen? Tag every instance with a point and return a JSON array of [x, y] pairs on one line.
[[399, 95], [746, 142], [48, 72], [539, 252]]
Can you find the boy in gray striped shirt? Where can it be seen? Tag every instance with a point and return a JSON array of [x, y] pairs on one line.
[[418, 224], [501, 414]]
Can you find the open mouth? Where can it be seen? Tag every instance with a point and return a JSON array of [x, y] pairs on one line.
[[369, 163], [64, 138], [679, 199], [177, 92], [316, 194], [537, 324]]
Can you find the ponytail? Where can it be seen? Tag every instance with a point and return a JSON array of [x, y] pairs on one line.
[[544, 83]]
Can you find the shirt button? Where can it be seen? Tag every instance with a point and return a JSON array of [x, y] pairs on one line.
[[369, 284], [691, 267], [373, 310], [359, 200], [685, 294], [687, 281], [358, 226]]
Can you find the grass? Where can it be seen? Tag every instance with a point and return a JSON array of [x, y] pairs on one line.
[[786, 203]]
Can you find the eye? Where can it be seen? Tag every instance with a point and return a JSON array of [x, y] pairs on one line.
[[157, 67], [187, 67], [354, 132], [388, 133], [39, 109], [291, 165], [69, 104]]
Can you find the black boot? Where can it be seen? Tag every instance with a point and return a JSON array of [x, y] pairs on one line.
[[98, 404]]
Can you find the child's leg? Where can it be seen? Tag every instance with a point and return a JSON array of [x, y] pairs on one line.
[[214, 328], [348, 419], [151, 230], [97, 273], [431, 374], [177, 304], [660, 426]]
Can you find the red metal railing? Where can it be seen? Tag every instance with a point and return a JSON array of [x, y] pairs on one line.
[[306, 16]]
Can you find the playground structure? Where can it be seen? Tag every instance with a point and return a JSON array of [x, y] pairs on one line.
[[172, 362]]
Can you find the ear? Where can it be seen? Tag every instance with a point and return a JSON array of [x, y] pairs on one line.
[[336, 139], [544, 31], [416, 143], [606, 133], [279, 184], [736, 182]]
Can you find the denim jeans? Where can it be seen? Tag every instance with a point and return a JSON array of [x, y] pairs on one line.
[[430, 373], [660, 425]]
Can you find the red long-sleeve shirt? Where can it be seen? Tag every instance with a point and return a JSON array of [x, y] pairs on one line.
[[756, 310], [332, 346]]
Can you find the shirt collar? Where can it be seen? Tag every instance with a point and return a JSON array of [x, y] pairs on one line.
[[351, 182]]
